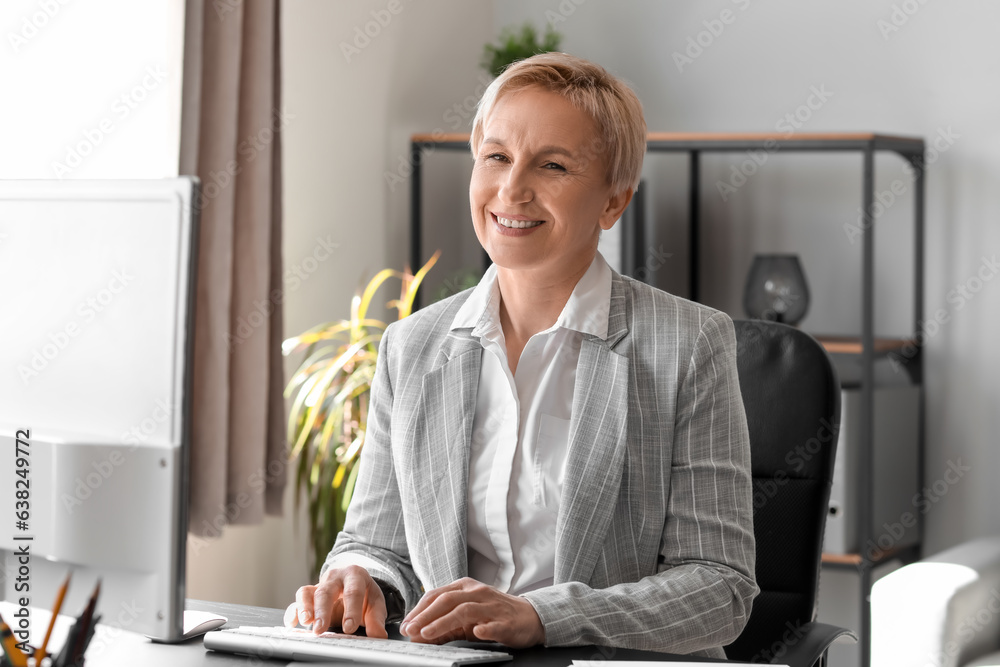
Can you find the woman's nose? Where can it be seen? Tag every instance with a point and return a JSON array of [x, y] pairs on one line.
[[516, 187]]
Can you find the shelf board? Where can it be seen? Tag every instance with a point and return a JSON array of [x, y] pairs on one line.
[[855, 559], [776, 136], [841, 559], [852, 344], [440, 138], [726, 141]]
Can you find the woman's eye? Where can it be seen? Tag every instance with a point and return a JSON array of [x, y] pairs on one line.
[[499, 157], [554, 165]]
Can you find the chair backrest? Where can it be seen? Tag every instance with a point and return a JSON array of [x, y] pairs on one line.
[[792, 398]]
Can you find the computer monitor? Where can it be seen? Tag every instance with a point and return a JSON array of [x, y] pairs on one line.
[[96, 309]]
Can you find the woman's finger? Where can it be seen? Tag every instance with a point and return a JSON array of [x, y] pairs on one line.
[[444, 601], [431, 606], [375, 613], [291, 618], [460, 617], [304, 600], [324, 599], [355, 595], [494, 631], [422, 604]]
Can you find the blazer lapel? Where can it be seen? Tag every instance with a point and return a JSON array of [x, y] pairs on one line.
[[439, 458], [596, 448]]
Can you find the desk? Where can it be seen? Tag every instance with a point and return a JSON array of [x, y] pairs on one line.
[[111, 648]]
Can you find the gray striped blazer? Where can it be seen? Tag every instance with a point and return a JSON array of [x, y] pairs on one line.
[[654, 544]]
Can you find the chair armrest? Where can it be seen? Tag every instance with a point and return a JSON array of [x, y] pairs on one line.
[[810, 643], [944, 609]]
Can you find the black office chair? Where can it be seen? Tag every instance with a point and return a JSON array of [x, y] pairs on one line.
[[792, 399]]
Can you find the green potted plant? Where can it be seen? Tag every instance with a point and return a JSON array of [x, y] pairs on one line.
[[518, 44], [326, 425]]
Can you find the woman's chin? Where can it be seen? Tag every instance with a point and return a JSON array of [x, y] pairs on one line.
[[520, 261]]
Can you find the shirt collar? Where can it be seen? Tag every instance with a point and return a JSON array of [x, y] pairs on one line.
[[586, 310]]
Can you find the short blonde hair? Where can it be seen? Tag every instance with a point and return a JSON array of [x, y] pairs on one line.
[[589, 87]]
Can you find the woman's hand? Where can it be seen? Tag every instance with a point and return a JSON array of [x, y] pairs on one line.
[[347, 596], [473, 611]]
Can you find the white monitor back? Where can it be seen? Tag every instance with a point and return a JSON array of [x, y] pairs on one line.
[[96, 287]]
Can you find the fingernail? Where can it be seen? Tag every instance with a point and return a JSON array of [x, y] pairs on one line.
[[306, 616], [318, 625], [402, 627]]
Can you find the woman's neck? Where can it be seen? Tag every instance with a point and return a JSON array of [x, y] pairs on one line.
[[529, 304]]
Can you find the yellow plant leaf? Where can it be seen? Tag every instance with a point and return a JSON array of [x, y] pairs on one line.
[[308, 368], [372, 287], [406, 305], [354, 448], [339, 476]]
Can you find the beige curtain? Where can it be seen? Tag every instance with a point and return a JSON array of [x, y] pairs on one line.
[[231, 129]]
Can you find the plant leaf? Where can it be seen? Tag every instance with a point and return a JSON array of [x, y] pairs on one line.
[[349, 487]]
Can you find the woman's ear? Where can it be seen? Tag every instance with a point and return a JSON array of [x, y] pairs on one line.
[[616, 205]]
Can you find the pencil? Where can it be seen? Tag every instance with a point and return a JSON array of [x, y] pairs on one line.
[[10, 649], [85, 621], [60, 596]]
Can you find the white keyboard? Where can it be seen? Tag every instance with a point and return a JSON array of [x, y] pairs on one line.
[[299, 644]]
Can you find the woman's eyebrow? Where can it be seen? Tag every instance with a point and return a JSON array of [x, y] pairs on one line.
[[559, 150], [552, 148]]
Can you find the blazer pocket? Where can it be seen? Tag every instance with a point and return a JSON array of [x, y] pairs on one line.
[[551, 445]]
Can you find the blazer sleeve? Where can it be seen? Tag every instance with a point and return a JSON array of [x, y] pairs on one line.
[[373, 536], [700, 596]]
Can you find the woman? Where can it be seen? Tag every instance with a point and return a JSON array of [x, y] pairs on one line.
[[560, 454]]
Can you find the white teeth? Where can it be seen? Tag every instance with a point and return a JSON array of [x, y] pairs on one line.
[[518, 224]]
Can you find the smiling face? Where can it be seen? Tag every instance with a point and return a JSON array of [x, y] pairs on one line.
[[539, 192]]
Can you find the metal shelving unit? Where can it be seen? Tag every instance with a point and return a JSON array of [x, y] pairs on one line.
[[866, 347]]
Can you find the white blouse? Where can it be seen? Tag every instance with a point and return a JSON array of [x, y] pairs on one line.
[[520, 432]]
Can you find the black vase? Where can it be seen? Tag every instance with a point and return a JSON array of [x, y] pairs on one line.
[[776, 289]]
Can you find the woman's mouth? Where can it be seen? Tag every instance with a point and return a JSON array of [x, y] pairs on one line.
[[516, 224]]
